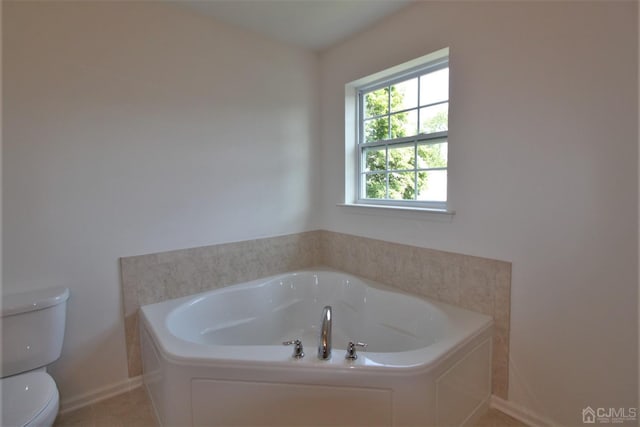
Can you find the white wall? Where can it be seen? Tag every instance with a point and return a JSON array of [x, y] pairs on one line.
[[543, 173], [132, 128]]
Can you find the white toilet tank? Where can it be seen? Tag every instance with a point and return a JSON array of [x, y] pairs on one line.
[[32, 329]]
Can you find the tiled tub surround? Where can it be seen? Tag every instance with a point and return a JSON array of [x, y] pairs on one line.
[[478, 284], [147, 279]]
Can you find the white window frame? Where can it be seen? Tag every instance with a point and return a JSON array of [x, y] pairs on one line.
[[354, 145]]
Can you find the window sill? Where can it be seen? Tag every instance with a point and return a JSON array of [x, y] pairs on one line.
[[390, 209]]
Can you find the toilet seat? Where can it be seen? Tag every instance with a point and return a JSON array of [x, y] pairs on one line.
[[29, 399]]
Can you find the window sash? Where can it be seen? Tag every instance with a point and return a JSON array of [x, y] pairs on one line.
[[408, 75], [432, 137]]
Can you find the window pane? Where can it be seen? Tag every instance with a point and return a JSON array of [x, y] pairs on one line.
[[404, 95], [377, 102], [375, 186], [404, 124], [434, 118], [434, 87], [402, 157], [432, 155], [432, 186], [402, 186], [376, 129], [374, 159]]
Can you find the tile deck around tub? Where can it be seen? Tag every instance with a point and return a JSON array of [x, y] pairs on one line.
[[133, 409]]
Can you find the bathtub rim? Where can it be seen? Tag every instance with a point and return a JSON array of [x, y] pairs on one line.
[[176, 350]]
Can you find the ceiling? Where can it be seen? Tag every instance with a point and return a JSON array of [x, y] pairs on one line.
[[311, 24]]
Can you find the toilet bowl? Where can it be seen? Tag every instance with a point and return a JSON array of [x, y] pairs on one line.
[[32, 335]]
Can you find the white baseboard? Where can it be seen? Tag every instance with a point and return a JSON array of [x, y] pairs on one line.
[[519, 413], [99, 394]]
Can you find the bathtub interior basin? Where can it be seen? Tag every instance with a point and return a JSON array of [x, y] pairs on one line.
[[290, 307], [250, 321]]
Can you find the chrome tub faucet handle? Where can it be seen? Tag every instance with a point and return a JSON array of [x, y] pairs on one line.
[[351, 350], [298, 350]]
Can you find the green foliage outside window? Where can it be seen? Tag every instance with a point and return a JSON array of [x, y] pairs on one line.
[[400, 158]]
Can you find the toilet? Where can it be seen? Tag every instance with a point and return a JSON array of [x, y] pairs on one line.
[[32, 334]]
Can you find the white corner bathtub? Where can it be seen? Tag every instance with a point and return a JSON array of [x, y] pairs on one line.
[[217, 358]]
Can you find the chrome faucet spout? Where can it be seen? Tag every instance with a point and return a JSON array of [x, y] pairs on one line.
[[324, 342]]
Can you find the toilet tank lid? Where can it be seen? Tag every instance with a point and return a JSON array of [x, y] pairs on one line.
[[33, 300]]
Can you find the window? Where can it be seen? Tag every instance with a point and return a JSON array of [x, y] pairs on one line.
[[402, 123]]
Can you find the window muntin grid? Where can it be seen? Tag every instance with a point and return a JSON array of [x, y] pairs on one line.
[[415, 125]]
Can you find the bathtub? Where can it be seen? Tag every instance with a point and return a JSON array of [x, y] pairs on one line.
[[218, 358]]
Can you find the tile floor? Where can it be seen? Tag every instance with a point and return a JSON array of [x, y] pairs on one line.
[[133, 409]]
